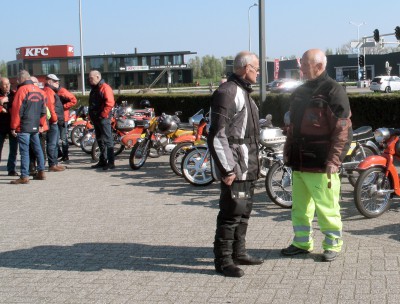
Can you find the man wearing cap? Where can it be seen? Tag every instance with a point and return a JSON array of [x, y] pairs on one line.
[[56, 119], [101, 101]]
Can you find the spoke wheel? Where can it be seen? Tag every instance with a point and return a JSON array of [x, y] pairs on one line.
[[278, 184], [176, 157], [371, 194], [139, 154], [196, 167]]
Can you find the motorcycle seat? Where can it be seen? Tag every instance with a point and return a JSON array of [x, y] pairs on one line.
[[363, 133], [185, 126]]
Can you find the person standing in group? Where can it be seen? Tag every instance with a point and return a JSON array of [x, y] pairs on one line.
[[101, 102], [318, 138], [68, 100], [56, 119], [6, 101], [233, 143], [28, 114]]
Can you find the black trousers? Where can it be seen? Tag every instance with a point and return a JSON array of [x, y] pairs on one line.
[[232, 222], [104, 138]]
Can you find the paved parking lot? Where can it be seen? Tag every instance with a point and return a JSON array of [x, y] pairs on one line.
[[123, 236]]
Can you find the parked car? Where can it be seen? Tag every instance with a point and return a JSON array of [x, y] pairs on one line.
[[284, 85], [385, 84]]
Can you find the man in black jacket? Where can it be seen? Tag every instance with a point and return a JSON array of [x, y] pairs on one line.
[[233, 143]]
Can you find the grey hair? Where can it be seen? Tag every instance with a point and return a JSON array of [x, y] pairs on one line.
[[23, 75], [242, 59]]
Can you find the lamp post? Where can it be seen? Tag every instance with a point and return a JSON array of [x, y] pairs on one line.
[[358, 48], [81, 46], [248, 17]]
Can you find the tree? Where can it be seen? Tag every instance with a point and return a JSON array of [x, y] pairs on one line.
[[3, 68]]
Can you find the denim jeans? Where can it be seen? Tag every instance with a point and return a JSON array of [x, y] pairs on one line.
[[63, 130], [12, 155], [52, 145], [23, 140]]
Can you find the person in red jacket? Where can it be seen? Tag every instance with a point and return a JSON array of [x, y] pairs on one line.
[[101, 102], [68, 100], [56, 119], [28, 115]]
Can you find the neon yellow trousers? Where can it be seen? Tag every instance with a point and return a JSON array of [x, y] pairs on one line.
[[311, 195]]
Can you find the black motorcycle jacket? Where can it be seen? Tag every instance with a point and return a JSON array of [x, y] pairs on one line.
[[234, 131], [320, 129]]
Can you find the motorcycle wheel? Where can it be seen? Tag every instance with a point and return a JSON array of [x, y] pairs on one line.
[[176, 156], [95, 152], [196, 171], [357, 156], [139, 153], [87, 142], [77, 134], [367, 198], [69, 135], [278, 184]]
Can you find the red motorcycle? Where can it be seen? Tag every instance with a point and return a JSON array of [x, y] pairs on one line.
[[379, 181]]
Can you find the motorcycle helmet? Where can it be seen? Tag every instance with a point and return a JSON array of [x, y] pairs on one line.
[[166, 124], [145, 104]]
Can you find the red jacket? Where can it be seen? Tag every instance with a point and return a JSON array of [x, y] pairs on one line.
[[101, 101], [51, 104], [28, 112], [68, 100]]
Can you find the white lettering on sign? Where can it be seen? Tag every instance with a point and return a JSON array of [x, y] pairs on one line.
[[18, 51], [70, 49], [36, 51]]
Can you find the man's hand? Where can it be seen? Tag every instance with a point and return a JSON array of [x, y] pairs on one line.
[[13, 133], [3, 100], [331, 168], [228, 180]]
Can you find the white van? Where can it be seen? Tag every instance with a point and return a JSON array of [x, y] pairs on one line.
[[385, 84]]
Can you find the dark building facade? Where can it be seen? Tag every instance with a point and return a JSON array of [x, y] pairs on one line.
[[118, 70]]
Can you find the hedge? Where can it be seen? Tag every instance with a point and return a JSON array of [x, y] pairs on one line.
[[374, 109]]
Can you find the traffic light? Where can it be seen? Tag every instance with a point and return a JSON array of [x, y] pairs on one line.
[[376, 35], [397, 32], [361, 60]]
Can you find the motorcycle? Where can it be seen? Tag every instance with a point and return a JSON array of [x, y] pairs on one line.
[[183, 143], [278, 182], [157, 134], [127, 125], [379, 181]]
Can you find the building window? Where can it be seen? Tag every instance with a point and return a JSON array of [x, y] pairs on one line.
[[50, 67], [114, 64], [30, 68], [177, 59], [131, 61], [97, 64], [74, 66], [166, 60], [9, 70], [14, 69], [155, 60], [144, 60]]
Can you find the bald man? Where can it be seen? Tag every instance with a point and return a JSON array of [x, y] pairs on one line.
[[6, 101], [318, 139], [101, 102]]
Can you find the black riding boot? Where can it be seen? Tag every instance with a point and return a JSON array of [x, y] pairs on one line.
[[240, 255]]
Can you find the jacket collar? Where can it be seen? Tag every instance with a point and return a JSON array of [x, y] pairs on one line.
[[243, 83], [99, 84], [25, 83]]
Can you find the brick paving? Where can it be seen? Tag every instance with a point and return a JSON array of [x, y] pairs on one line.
[[123, 236]]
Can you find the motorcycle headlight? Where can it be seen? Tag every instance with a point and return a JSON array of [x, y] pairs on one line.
[[381, 134]]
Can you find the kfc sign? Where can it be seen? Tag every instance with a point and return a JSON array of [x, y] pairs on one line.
[[51, 51]]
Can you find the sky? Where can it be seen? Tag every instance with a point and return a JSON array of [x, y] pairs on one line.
[[207, 27]]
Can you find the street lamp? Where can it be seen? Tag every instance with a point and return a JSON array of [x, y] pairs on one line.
[[81, 47], [358, 48], [248, 17]]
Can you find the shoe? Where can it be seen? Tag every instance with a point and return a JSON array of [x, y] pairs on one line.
[[12, 173], [329, 255], [40, 176], [109, 166], [56, 168], [293, 250], [21, 180], [230, 271], [247, 260], [32, 173], [64, 159], [99, 165]]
